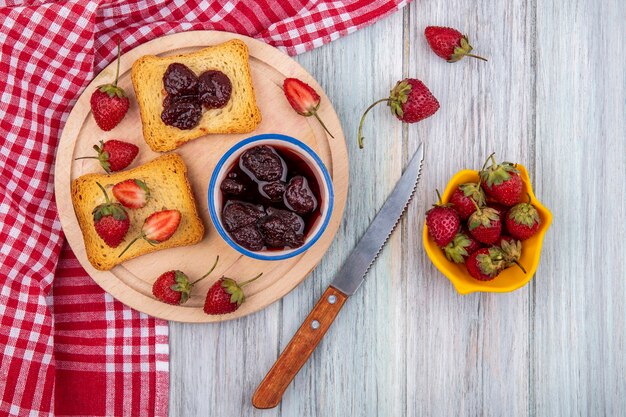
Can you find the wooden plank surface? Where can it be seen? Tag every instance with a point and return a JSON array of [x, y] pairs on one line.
[[553, 96]]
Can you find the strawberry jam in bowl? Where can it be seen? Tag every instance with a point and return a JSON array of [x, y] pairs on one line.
[[270, 197]]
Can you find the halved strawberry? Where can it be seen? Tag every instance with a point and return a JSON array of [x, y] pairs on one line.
[[157, 228], [303, 98], [132, 193]]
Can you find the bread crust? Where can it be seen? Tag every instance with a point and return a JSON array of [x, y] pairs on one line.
[[240, 115], [166, 176]]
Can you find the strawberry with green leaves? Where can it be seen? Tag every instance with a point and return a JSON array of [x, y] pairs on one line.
[[448, 43], [157, 228], [443, 223], [114, 155], [303, 99], [225, 296], [464, 197], [410, 101], [485, 225], [132, 193], [462, 246], [110, 221], [109, 103], [523, 221], [511, 252], [174, 287], [485, 264], [501, 182]]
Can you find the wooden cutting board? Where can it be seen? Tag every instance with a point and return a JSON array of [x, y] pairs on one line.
[[131, 282]]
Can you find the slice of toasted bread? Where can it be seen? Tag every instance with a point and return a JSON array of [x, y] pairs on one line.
[[169, 188], [240, 115]]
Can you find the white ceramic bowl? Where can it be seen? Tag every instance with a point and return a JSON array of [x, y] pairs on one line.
[[317, 167]]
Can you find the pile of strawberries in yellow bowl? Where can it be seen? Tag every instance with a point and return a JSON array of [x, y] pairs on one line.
[[486, 232]]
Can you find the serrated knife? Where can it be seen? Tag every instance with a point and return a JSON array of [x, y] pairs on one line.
[[346, 282]]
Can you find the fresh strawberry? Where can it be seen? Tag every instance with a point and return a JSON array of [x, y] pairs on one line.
[[485, 264], [461, 247], [173, 287], [109, 102], [443, 223], [114, 155], [502, 182], [303, 98], [504, 238], [448, 43], [485, 225], [132, 193], [157, 228], [523, 221], [410, 101], [110, 221], [464, 197], [502, 211], [225, 296], [511, 252]]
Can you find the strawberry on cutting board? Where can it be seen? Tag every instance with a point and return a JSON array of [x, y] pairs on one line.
[[109, 102], [114, 155], [225, 296], [174, 287], [449, 43], [132, 193], [410, 101], [303, 99], [110, 221], [157, 228]]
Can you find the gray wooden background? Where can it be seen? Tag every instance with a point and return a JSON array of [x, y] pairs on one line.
[[553, 97]]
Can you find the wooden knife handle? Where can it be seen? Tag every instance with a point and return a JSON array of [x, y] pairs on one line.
[[297, 352]]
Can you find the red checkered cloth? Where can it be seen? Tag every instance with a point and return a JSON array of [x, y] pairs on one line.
[[69, 348]]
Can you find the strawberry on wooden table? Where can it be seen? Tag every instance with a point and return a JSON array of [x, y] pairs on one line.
[[109, 102], [464, 197], [114, 155], [157, 228], [174, 287], [132, 193], [523, 221], [110, 221], [501, 182], [449, 43], [485, 264], [443, 223], [225, 296], [410, 101], [303, 98]]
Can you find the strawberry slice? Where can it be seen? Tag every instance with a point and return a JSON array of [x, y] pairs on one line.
[[157, 228], [303, 98], [132, 193]]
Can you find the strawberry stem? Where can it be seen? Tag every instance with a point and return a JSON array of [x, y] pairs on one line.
[[129, 245], [250, 280], [360, 134], [86, 157], [117, 72], [438, 197], [520, 266], [322, 123], [207, 274], [106, 196], [476, 56], [487, 160]]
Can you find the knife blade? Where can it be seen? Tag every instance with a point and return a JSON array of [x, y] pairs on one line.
[[347, 281]]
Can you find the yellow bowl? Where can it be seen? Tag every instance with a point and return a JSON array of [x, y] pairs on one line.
[[511, 278]]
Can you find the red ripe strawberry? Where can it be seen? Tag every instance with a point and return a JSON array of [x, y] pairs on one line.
[[485, 225], [225, 296], [109, 102], [110, 221], [173, 287], [449, 43], [410, 101], [511, 252], [443, 223], [523, 221], [501, 182], [114, 155], [132, 193], [157, 228], [502, 211], [464, 197], [485, 264], [303, 98], [461, 247]]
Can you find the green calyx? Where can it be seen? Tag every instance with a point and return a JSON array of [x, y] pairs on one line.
[[474, 191], [511, 253], [524, 214], [483, 217], [496, 174], [145, 188], [236, 290], [183, 286], [456, 251], [103, 157], [108, 209], [462, 51], [491, 263], [398, 96]]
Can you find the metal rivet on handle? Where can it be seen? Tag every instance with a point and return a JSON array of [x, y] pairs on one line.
[[315, 324], [332, 299]]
